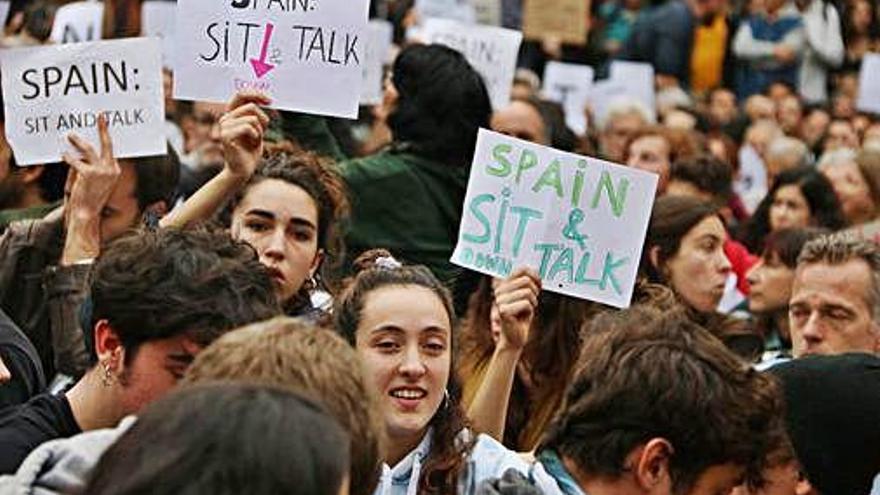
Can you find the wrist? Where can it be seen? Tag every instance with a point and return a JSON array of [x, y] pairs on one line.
[[236, 179], [504, 348], [82, 240]]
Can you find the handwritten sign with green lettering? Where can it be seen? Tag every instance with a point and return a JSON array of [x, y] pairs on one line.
[[580, 222]]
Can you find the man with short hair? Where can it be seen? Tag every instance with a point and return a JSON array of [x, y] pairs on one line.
[[624, 119], [46, 262], [657, 405], [157, 299], [785, 153], [835, 302], [522, 119], [841, 134]]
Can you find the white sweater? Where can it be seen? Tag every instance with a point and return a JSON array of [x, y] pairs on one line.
[[824, 50]]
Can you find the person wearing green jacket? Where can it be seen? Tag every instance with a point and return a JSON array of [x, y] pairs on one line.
[[408, 197]]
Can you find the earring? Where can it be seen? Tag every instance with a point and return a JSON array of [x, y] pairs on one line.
[[445, 399], [107, 375], [310, 284]]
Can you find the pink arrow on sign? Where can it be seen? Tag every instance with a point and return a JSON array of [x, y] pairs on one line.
[[261, 68]]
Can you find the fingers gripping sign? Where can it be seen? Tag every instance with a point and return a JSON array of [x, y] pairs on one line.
[[242, 129], [516, 300]]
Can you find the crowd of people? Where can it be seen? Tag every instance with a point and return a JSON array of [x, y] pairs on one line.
[[270, 306]]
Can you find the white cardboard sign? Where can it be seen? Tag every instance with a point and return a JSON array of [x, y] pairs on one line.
[[487, 12], [158, 18], [380, 35], [491, 50], [869, 84], [53, 90], [579, 221], [4, 12], [638, 78], [456, 10], [570, 85], [307, 55], [77, 22]]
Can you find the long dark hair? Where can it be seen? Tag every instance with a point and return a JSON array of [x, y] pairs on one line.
[[550, 354], [447, 459], [825, 209], [672, 218], [324, 185], [443, 102]]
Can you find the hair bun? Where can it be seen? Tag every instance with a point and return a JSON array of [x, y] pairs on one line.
[[373, 259]]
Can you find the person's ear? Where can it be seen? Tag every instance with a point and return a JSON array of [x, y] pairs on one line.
[[108, 346], [657, 261], [651, 466], [316, 263], [803, 486]]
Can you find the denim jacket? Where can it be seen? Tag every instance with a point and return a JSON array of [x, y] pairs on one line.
[[488, 459]]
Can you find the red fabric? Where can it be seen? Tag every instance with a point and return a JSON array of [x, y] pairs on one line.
[[742, 261]]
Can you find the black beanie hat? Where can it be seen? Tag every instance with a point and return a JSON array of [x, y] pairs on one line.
[[833, 419]]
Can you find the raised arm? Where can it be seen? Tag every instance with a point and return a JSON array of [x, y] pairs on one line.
[[242, 127], [516, 299]]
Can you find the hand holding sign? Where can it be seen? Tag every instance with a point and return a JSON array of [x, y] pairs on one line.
[[516, 300], [92, 179], [241, 129]]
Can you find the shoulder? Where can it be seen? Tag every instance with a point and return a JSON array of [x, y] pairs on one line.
[[490, 458], [23, 428], [64, 465]]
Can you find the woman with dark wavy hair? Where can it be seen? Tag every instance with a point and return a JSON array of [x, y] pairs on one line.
[[401, 322], [800, 197]]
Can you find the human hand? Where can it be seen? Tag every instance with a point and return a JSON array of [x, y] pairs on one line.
[[90, 183], [92, 177], [784, 54], [242, 128], [516, 300]]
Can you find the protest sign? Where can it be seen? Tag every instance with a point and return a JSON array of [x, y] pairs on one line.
[[380, 35], [491, 50], [4, 11], [564, 20], [78, 21], [627, 82], [51, 91], [638, 78], [158, 19], [307, 55], [456, 10], [569, 85], [751, 180], [487, 12], [869, 84], [580, 222]]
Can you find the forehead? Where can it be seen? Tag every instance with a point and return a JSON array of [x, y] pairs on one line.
[[126, 186], [283, 199], [651, 141], [411, 308], [840, 126], [518, 115], [846, 284], [200, 107], [790, 191], [709, 226]]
